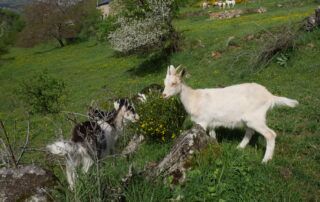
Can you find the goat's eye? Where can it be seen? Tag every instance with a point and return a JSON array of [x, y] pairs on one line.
[[173, 84]]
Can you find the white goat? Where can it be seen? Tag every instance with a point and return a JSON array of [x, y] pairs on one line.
[[205, 5], [230, 3], [243, 105], [220, 4]]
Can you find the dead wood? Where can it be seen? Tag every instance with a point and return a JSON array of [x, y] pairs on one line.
[[176, 162], [133, 145], [312, 22]]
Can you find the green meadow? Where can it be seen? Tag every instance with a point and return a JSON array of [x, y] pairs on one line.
[[93, 71]]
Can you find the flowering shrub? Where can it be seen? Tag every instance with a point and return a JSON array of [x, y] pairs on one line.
[[144, 26], [160, 120]]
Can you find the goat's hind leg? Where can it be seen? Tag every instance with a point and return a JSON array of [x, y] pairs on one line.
[[270, 137], [71, 172], [86, 163], [246, 139]]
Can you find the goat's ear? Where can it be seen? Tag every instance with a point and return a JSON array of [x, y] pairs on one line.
[[172, 70], [116, 105], [182, 73]]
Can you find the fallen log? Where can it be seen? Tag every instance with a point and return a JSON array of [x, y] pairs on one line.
[[312, 22], [176, 163], [133, 145]]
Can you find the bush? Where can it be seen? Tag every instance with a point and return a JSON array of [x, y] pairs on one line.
[[43, 94], [160, 120], [104, 28], [144, 26], [10, 25]]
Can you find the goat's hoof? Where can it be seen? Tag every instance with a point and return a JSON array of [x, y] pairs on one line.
[[265, 161], [240, 147]]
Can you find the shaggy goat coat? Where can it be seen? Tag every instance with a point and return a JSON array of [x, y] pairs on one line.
[[92, 140]]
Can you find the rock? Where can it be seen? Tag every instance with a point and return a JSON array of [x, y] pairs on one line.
[[216, 55], [249, 37], [29, 183], [311, 45], [235, 13], [261, 10], [226, 14]]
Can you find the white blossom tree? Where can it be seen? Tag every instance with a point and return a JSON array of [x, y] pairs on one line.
[[143, 26]]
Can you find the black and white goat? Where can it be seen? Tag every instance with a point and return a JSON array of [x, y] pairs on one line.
[[243, 105], [91, 140]]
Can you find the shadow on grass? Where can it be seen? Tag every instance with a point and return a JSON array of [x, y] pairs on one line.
[[224, 134], [153, 64], [46, 51], [4, 60]]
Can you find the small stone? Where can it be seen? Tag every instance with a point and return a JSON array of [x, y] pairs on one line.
[[216, 55]]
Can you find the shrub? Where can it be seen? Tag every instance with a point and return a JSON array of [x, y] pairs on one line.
[[143, 26], [160, 120], [10, 25], [104, 28], [43, 94]]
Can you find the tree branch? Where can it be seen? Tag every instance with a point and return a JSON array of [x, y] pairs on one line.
[[25, 144], [13, 158]]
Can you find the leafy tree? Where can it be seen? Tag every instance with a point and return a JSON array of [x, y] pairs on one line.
[[56, 19], [10, 25], [144, 25]]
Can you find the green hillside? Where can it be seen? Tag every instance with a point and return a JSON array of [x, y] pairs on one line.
[[92, 71]]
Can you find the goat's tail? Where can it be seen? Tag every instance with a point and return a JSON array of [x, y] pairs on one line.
[[61, 148], [283, 101]]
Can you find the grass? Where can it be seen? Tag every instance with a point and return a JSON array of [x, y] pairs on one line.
[[221, 172]]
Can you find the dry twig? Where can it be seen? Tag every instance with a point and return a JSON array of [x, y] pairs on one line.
[[13, 158]]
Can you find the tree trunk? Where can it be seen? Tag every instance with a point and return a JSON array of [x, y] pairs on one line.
[[60, 42], [317, 14]]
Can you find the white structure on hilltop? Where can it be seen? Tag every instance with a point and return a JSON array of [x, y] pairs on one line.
[[104, 7]]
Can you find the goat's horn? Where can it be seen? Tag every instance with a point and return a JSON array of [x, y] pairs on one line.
[[91, 103], [178, 68]]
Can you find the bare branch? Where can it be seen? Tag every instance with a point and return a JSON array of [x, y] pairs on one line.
[[4, 153], [25, 144], [13, 158], [74, 113]]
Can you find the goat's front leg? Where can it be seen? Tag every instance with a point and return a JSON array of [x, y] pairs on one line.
[[86, 163], [212, 134], [71, 173], [246, 139]]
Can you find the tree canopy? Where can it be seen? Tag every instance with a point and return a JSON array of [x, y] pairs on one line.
[[56, 19]]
